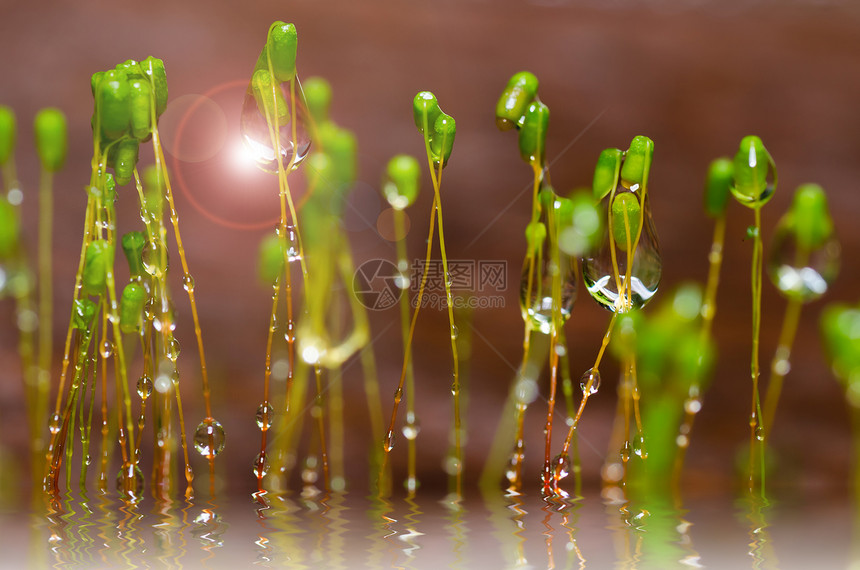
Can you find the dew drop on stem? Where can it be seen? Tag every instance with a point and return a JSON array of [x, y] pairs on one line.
[[590, 382], [264, 416], [144, 387], [209, 438], [257, 135]]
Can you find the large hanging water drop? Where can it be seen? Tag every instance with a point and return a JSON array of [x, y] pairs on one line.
[[129, 481], [544, 266], [805, 252], [275, 115], [617, 278], [209, 438]]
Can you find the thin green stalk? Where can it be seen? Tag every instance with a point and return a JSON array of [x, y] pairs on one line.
[[400, 233], [46, 209], [756, 434], [779, 365]]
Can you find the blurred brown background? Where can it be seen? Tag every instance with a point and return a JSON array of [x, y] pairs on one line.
[[693, 75]]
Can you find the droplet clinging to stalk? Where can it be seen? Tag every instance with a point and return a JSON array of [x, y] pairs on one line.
[[804, 257], [539, 270], [625, 272]]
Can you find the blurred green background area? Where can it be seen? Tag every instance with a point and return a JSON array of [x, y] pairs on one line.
[[695, 76]]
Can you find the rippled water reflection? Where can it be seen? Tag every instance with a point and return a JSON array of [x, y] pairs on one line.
[[349, 531]]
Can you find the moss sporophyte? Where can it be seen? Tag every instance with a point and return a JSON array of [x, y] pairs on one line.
[[104, 326]]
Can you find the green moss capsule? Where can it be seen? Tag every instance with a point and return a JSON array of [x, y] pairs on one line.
[[281, 48], [51, 135], [141, 109], [812, 222], [321, 174], [718, 186], [271, 260], [153, 68], [341, 146], [532, 137], [131, 307], [84, 311], [535, 236], [425, 110], [840, 326], [637, 162], [442, 141], [754, 173], [9, 227], [580, 224], [515, 99], [112, 104], [318, 96], [606, 172], [98, 261], [8, 134], [125, 160], [263, 88], [132, 247], [626, 213], [401, 183]]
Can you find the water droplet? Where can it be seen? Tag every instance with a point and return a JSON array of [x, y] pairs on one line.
[[106, 349], [410, 430], [411, 484], [639, 446], [257, 135], [402, 280], [612, 472], [264, 416], [155, 258], [752, 232], [310, 473], [692, 405], [163, 384], [294, 253], [607, 279], [290, 333], [389, 440], [759, 433], [455, 332], [188, 282], [625, 452], [802, 273], [261, 465], [539, 272], [171, 350], [129, 481], [560, 467], [144, 387], [451, 465], [515, 463], [55, 423], [209, 438], [590, 382]]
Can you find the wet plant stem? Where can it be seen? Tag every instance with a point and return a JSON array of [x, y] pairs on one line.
[[402, 264], [780, 364], [756, 434]]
